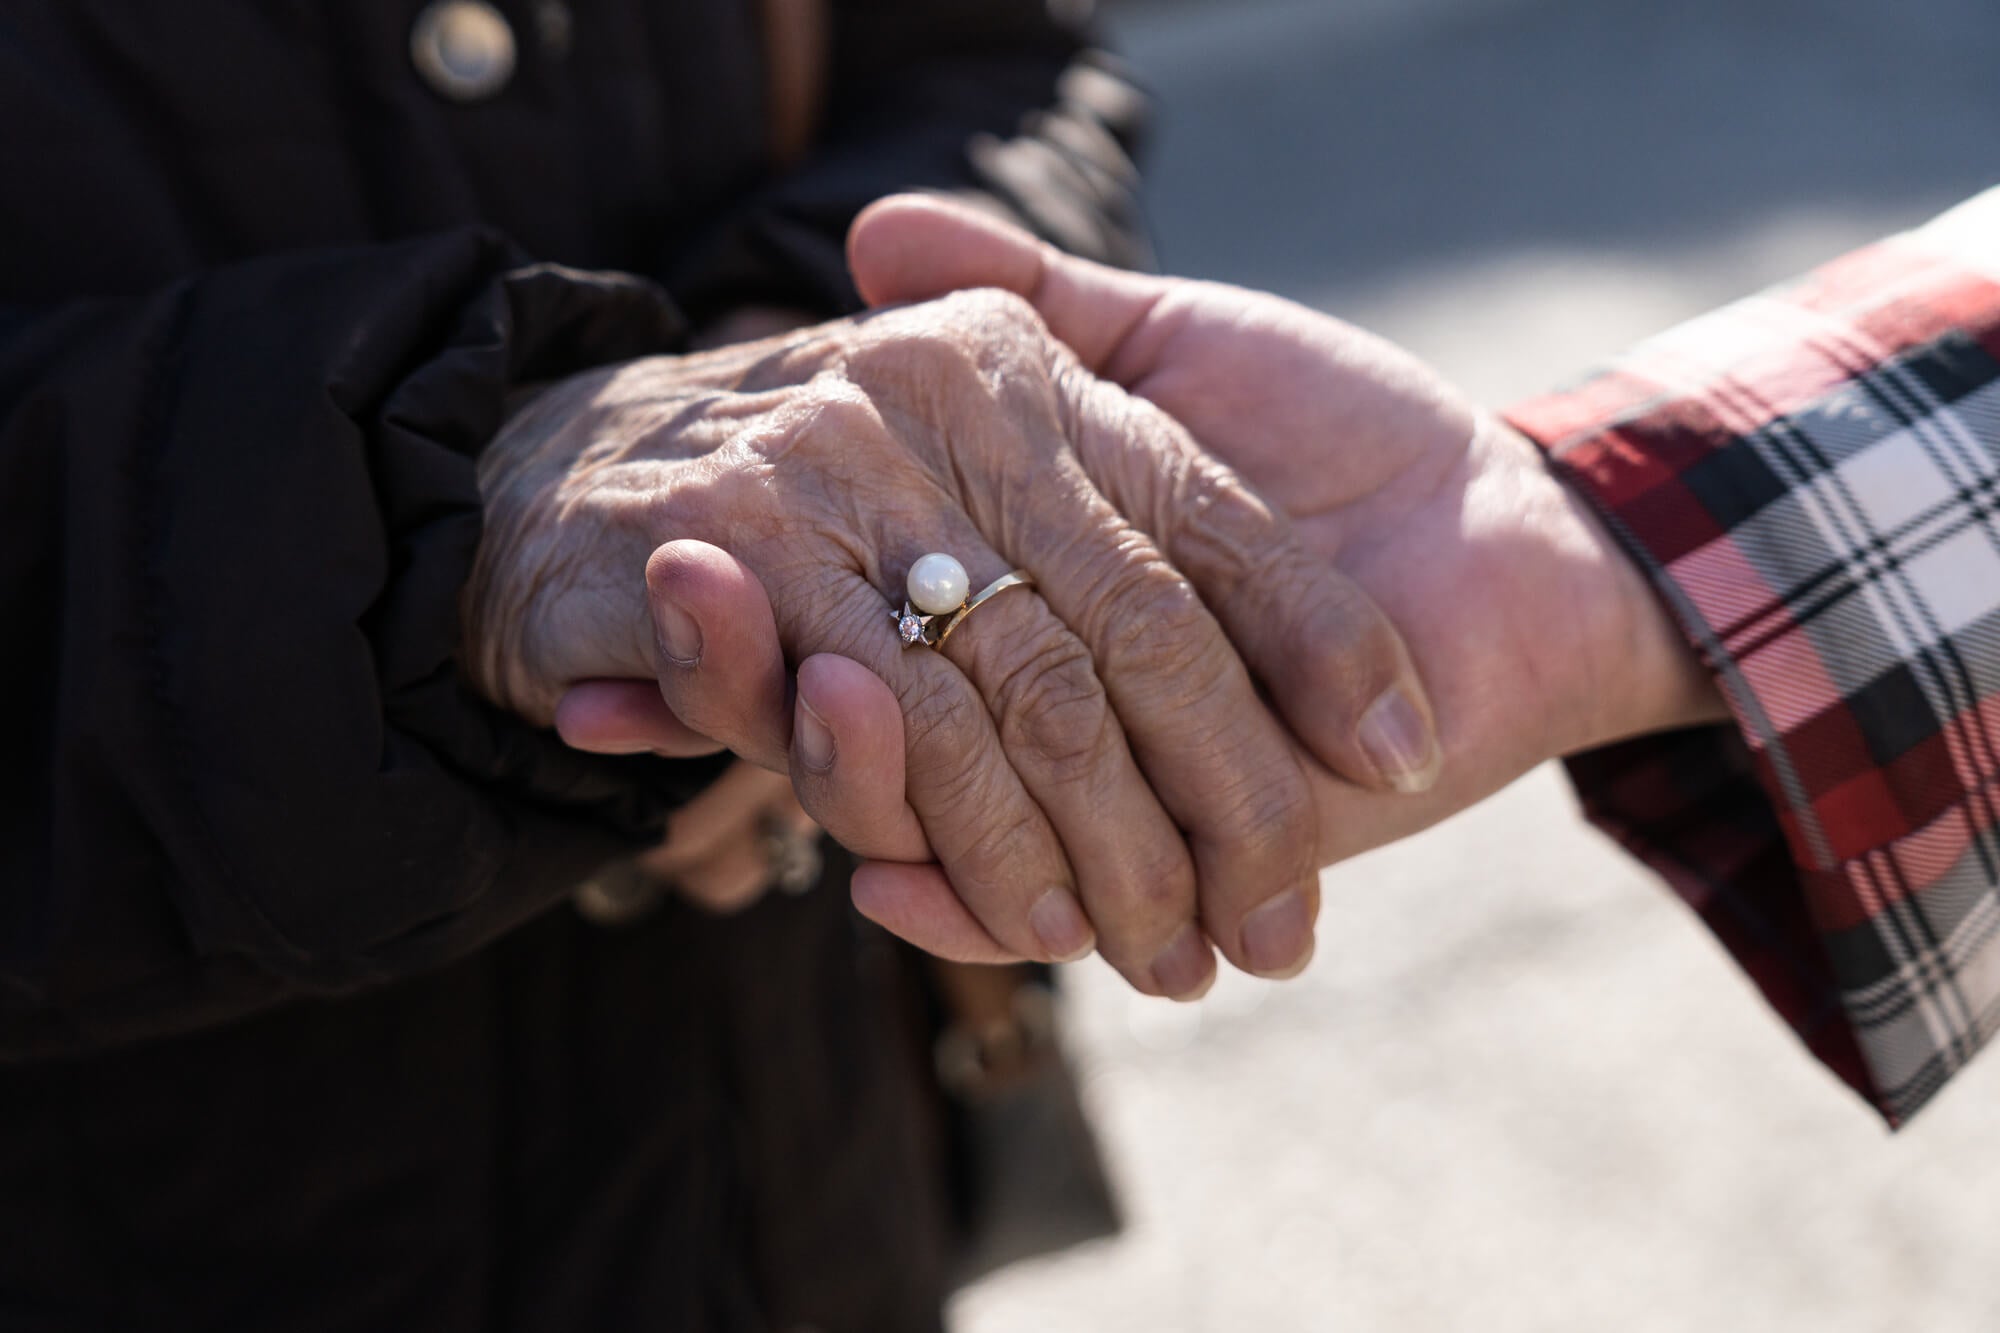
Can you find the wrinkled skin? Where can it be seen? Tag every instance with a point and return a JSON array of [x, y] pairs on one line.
[[1536, 635], [1090, 762]]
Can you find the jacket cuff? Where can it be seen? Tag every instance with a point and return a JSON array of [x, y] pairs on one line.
[[523, 326], [269, 779], [1809, 477]]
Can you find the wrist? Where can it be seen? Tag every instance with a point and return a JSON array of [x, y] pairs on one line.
[[1642, 673], [561, 548]]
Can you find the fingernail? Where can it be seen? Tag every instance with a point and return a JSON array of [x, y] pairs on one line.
[[814, 737], [1399, 742], [680, 637], [1185, 969], [1061, 926], [1277, 937]]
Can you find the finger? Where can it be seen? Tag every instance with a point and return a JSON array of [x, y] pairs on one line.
[[1215, 758], [848, 762], [917, 903], [1060, 730], [913, 247], [988, 833], [722, 670], [1332, 661], [724, 814], [733, 878], [626, 717], [994, 840], [1108, 607], [1039, 682], [847, 767]]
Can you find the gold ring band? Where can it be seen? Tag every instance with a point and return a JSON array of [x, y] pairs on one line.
[[1019, 578]]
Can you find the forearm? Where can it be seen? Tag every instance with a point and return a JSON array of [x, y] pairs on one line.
[[1803, 477]]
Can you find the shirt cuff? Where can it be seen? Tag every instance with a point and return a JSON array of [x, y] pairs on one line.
[[1812, 479]]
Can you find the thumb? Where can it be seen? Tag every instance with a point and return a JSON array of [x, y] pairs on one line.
[[625, 717], [912, 247]]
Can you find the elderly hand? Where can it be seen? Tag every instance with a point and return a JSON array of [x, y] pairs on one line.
[[1536, 635], [1089, 761]]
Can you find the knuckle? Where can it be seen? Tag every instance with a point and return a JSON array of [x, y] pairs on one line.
[[834, 412], [813, 599], [734, 485], [1225, 529], [995, 309], [786, 456], [954, 339], [1108, 561], [987, 828], [919, 352], [1348, 613], [1158, 882], [1351, 649], [939, 731], [1005, 840], [990, 834], [1151, 630], [1153, 618], [1267, 817], [1049, 703]]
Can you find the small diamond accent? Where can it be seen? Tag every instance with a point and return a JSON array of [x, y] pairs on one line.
[[911, 628]]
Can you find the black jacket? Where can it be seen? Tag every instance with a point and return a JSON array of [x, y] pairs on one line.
[[262, 293]]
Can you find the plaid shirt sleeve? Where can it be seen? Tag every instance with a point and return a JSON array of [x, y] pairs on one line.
[[1812, 478]]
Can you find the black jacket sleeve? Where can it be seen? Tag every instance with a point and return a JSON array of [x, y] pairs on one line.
[[235, 517], [998, 101]]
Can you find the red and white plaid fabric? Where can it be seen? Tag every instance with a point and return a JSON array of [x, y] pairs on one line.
[[1812, 476]]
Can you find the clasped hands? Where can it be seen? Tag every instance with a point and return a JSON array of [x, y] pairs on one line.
[[1294, 597]]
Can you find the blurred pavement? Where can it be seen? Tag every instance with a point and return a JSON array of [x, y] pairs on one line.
[[1520, 1089]]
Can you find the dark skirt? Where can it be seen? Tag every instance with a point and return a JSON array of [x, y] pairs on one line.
[[684, 1123]]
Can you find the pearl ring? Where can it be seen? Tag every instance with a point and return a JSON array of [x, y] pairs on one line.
[[937, 585]]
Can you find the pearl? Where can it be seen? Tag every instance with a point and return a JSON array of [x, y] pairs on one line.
[[938, 584]]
